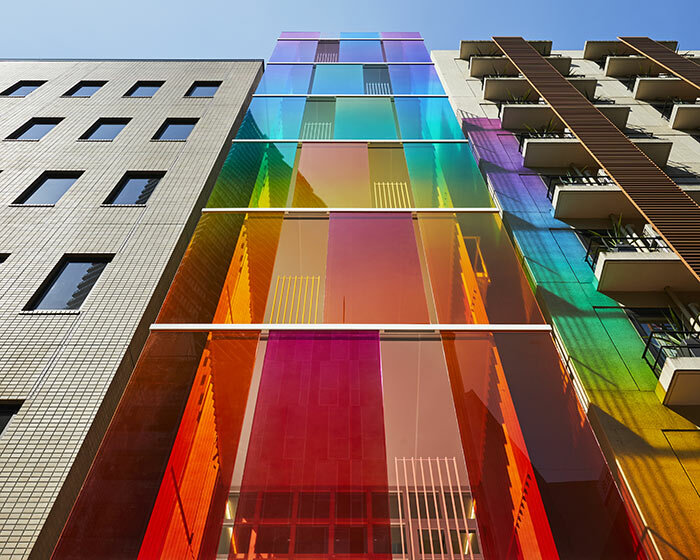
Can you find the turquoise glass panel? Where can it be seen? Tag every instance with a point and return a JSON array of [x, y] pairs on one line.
[[364, 118], [276, 118], [445, 175], [427, 118], [418, 79], [359, 35], [283, 78], [361, 51], [294, 51], [338, 79], [406, 51]]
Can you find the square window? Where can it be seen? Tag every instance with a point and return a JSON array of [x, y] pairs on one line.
[[105, 129], [49, 187], [143, 89], [35, 129], [350, 505], [314, 505], [84, 89], [135, 187], [203, 89], [69, 283], [311, 539], [23, 88], [350, 539], [276, 505], [175, 129], [272, 539]]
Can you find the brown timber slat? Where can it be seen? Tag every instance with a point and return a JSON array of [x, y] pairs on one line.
[[674, 63], [674, 215]]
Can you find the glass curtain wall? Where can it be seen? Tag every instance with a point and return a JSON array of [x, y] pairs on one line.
[[350, 362]]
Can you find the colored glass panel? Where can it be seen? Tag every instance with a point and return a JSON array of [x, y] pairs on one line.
[[254, 174], [281, 78], [361, 51], [359, 35], [294, 51], [333, 175], [429, 118], [276, 118], [312, 497], [445, 175], [338, 79], [373, 273], [359, 118], [319, 118], [406, 51], [390, 185], [415, 79]]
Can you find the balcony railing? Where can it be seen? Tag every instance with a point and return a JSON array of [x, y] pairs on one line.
[[630, 243], [522, 136], [553, 181], [662, 345]]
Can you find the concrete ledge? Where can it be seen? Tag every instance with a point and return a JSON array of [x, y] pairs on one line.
[[520, 116], [636, 271], [685, 117], [591, 202], [680, 380], [659, 89]]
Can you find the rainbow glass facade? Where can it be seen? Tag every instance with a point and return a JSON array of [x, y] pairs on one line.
[[350, 361]]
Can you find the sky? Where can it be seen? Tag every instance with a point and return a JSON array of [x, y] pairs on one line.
[[248, 29]]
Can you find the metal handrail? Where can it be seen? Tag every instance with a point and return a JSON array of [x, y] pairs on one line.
[[620, 244], [553, 181], [661, 345]]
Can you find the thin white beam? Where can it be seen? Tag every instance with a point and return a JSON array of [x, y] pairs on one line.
[[356, 62], [278, 210], [325, 95], [398, 327], [347, 141], [350, 39]]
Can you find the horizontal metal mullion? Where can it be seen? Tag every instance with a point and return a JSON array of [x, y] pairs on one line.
[[350, 39], [397, 327], [355, 62], [350, 141], [461, 210], [349, 95]]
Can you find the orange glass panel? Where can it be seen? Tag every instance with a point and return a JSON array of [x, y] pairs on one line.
[[332, 175], [373, 273]]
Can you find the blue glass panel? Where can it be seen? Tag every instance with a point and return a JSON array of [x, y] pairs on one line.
[[360, 118], [406, 51], [338, 79], [428, 118], [277, 118], [281, 78], [294, 51], [361, 51], [359, 35], [36, 131], [421, 78], [49, 190], [134, 190], [71, 285], [105, 131]]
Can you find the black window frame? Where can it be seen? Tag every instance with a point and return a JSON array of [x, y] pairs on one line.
[[84, 83], [174, 120], [109, 201], [85, 136], [55, 273], [203, 83], [8, 92], [29, 124], [144, 83], [37, 183], [8, 409]]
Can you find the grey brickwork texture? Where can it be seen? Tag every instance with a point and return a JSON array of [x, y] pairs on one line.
[[63, 365]]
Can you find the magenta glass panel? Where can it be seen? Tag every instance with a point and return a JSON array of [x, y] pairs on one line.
[[373, 273], [294, 51], [315, 476]]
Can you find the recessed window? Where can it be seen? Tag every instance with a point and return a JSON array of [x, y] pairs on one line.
[[22, 89], [144, 89], [175, 129], [69, 283], [7, 411], [135, 187], [49, 187], [3, 257], [105, 129], [203, 89], [84, 89], [35, 129]]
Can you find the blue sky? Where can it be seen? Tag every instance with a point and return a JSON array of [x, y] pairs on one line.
[[248, 29]]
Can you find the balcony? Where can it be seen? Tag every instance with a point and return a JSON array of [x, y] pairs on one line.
[[630, 262], [506, 88], [587, 197], [563, 150], [598, 51], [685, 116], [480, 65], [674, 356], [662, 88], [529, 115], [469, 49], [626, 66]]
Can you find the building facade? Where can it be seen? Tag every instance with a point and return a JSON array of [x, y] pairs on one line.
[[104, 168], [594, 158]]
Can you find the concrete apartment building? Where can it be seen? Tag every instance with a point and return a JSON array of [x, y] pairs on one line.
[[105, 166], [608, 239]]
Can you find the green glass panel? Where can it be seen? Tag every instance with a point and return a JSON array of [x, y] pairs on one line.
[[371, 119], [338, 79], [429, 118], [276, 118]]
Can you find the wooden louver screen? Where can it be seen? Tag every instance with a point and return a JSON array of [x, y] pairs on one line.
[[676, 64], [675, 215]]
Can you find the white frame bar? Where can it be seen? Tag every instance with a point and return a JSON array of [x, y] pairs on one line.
[[398, 327], [350, 95], [351, 39], [280, 210], [355, 62], [349, 141]]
